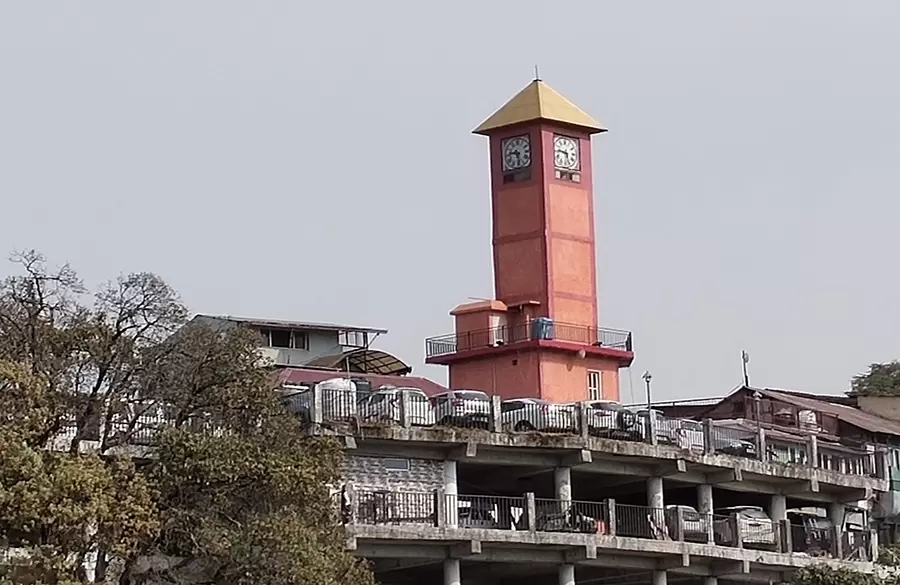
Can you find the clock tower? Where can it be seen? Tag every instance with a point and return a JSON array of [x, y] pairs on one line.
[[541, 336]]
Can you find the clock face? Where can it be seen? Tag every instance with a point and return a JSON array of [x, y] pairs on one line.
[[566, 153], [516, 153]]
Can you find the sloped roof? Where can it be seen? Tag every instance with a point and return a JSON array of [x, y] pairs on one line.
[[844, 413], [539, 101], [302, 325], [311, 376]]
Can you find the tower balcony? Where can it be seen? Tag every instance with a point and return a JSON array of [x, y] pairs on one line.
[[539, 333]]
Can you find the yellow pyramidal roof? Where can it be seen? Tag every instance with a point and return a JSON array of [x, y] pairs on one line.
[[539, 101]]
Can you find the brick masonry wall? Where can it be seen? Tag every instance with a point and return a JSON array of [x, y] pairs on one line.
[[378, 473]]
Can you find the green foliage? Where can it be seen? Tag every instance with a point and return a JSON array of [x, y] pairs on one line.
[[889, 555], [231, 484], [825, 575], [880, 380]]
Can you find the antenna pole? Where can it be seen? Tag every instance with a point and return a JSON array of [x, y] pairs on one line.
[[745, 359], [537, 75]]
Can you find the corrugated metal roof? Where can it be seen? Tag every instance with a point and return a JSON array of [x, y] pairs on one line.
[[309, 325]]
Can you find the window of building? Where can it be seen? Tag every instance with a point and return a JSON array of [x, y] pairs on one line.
[[396, 464], [285, 338], [595, 385], [353, 339]]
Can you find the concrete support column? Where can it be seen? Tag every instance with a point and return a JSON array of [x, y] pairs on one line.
[[706, 507], [567, 575], [660, 578], [836, 514], [711, 581], [451, 572], [778, 508], [450, 493], [655, 498], [656, 501], [562, 481]]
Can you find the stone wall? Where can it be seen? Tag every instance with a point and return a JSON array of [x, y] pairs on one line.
[[393, 473]]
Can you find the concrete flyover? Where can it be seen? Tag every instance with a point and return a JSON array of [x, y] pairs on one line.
[[439, 544], [606, 456]]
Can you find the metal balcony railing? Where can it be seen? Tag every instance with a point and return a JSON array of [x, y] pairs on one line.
[[538, 329], [527, 513]]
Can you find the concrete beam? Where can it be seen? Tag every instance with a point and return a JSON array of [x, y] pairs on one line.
[[731, 568], [579, 457], [676, 467], [464, 549], [720, 477], [674, 563], [583, 553], [800, 487], [467, 451]]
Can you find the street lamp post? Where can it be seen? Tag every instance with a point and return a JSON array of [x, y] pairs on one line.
[[647, 377]]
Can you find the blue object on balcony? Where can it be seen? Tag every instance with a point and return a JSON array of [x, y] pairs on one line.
[[542, 328]]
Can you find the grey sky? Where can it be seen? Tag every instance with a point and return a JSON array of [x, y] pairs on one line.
[[313, 161]]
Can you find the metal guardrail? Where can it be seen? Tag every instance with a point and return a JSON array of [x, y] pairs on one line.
[[527, 513], [538, 329]]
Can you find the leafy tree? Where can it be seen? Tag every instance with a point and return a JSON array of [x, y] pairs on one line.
[[825, 575], [880, 380], [225, 486]]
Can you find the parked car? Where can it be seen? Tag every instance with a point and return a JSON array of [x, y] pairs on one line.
[[691, 435], [613, 421], [468, 408], [487, 512], [666, 429], [552, 517], [755, 527], [535, 414], [811, 534], [339, 399], [733, 446], [695, 526], [385, 405]]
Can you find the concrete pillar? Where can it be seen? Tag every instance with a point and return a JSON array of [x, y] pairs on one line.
[[496, 426], [657, 504], [317, 413], [705, 506], [405, 408], [660, 578], [655, 497], [836, 514], [711, 581], [567, 575], [562, 481], [778, 508], [762, 449], [451, 572], [450, 494]]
